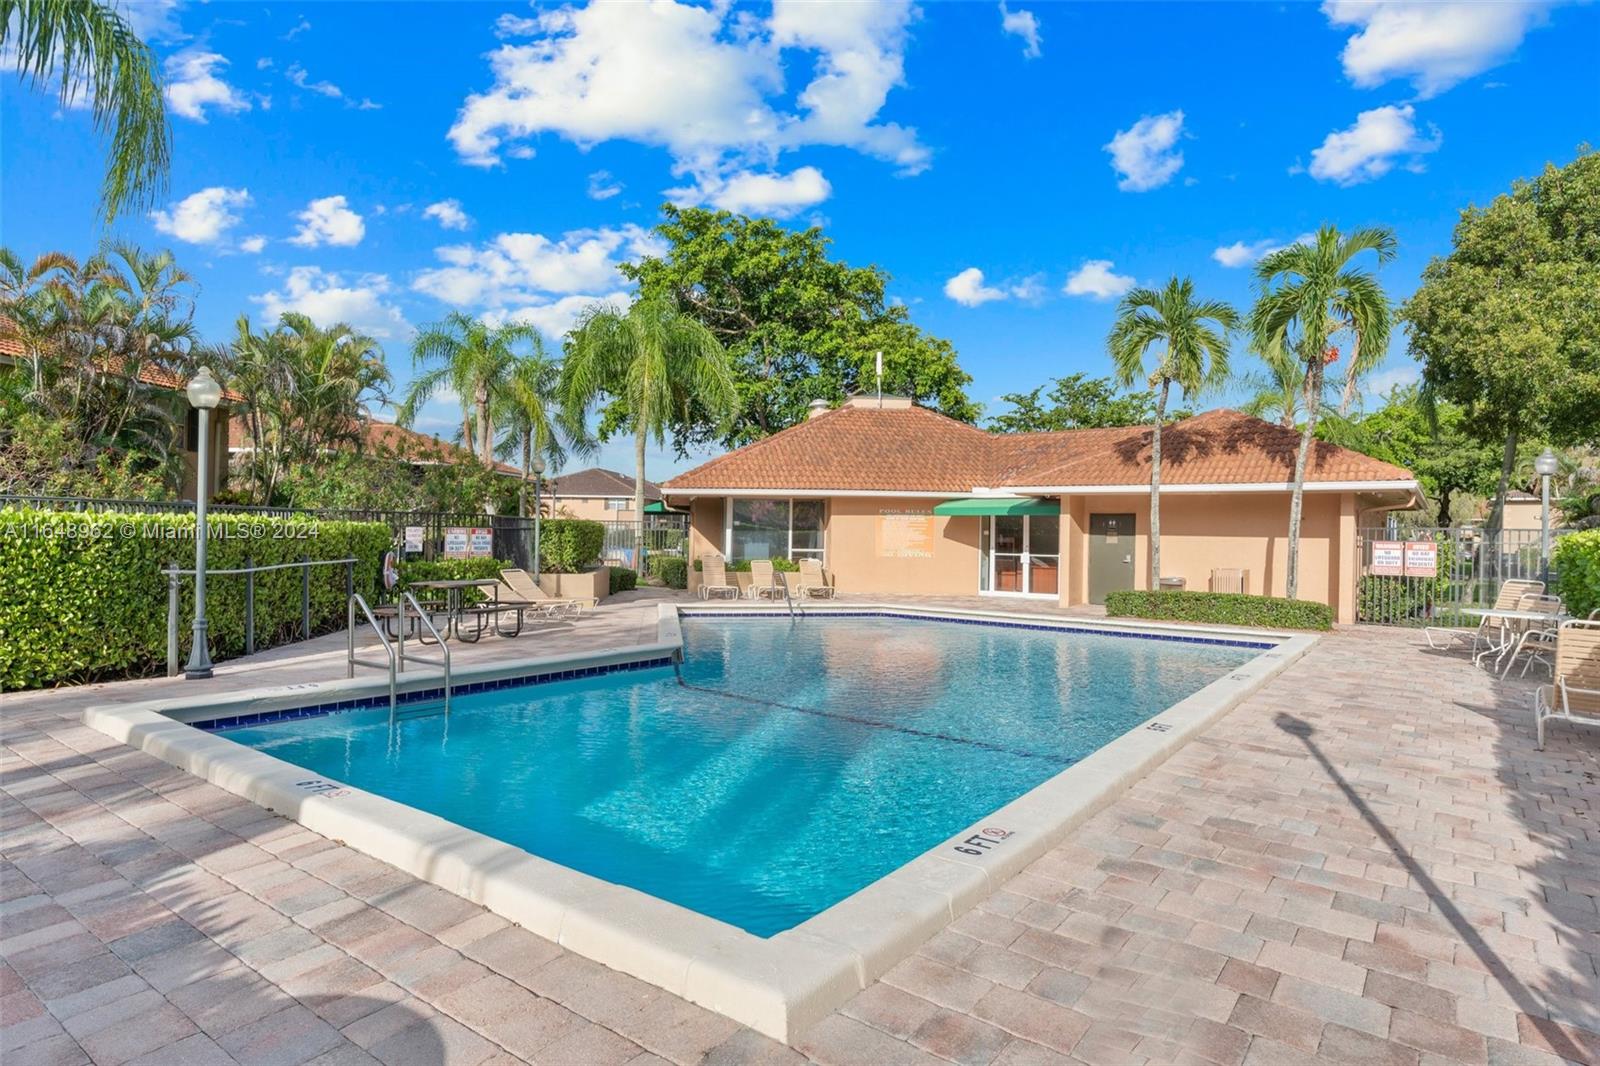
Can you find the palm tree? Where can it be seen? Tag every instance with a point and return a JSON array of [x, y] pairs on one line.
[[1194, 355], [95, 54], [657, 362], [474, 359], [529, 407], [1319, 295]]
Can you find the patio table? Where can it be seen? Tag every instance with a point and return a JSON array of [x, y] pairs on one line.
[[452, 590], [1505, 616]]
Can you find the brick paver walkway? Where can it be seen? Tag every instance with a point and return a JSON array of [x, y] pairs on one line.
[[1367, 862]]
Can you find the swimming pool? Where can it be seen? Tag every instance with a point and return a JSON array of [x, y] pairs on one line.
[[785, 766]]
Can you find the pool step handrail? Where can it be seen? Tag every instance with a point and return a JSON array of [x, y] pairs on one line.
[[411, 656], [778, 582], [351, 662]]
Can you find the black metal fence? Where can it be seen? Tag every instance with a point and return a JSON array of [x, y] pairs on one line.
[[1423, 577], [511, 536]]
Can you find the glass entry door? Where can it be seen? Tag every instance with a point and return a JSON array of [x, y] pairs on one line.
[[1021, 555]]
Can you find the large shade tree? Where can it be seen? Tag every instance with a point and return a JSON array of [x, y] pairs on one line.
[[798, 324], [92, 56], [1508, 324], [1076, 401], [1312, 295], [1185, 343], [662, 366]]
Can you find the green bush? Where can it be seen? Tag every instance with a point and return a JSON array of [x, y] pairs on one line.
[[1576, 561], [83, 596], [742, 566], [1220, 608], [623, 580], [673, 570], [571, 545], [449, 570]]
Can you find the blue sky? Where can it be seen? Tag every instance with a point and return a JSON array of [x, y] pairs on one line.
[[1014, 167]]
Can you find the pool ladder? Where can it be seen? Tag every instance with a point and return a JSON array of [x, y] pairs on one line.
[[395, 652]]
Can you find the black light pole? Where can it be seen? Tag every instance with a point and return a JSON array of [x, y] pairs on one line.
[[204, 394]]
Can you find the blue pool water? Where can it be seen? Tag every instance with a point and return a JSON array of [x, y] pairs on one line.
[[796, 762]]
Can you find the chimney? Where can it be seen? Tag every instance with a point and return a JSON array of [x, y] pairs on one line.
[[815, 408]]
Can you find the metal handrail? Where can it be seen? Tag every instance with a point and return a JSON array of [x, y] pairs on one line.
[[351, 662], [779, 582], [444, 649], [297, 564], [249, 570]]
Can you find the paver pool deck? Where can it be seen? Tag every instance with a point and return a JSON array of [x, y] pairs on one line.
[[1366, 861]]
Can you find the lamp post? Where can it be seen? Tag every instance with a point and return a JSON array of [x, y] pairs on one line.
[[537, 466], [1545, 466], [204, 394]]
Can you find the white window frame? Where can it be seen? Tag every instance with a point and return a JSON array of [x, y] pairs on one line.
[[821, 554], [617, 503], [1025, 557]]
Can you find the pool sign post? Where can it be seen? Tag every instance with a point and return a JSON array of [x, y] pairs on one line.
[[1422, 558], [455, 542], [1388, 558]]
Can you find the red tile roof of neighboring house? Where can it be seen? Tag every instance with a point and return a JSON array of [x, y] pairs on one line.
[[156, 376], [599, 482], [863, 448], [418, 446]]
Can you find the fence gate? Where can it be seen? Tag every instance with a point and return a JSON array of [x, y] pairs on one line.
[[1429, 576]]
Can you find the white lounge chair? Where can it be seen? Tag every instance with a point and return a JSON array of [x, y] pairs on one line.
[[714, 578], [813, 583], [763, 580], [522, 583], [1573, 694]]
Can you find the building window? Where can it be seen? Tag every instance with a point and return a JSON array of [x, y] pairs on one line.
[[614, 504], [781, 529]]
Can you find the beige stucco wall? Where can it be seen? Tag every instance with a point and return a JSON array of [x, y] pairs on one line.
[[591, 507], [1198, 534]]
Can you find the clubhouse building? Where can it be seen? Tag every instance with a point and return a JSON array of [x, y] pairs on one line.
[[895, 498]]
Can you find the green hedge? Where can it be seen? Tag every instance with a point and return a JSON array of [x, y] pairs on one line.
[[571, 545], [1576, 560], [1220, 608], [779, 563], [623, 579], [1392, 599], [449, 570], [83, 596], [673, 570]]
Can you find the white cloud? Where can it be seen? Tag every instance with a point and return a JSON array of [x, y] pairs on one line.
[[1144, 154], [153, 20], [297, 74], [514, 268], [327, 298], [329, 221], [969, 290], [509, 25], [253, 245], [555, 317], [705, 83], [1024, 24], [1097, 280], [297, 29], [1434, 44], [748, 192], [1240, 254], [1382, 381], [448, 214], [203, 217], [193, 85], [1368, 149], [602, 186]]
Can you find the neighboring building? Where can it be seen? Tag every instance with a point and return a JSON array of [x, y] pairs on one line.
[[169, 396], [900, 499], [1523, 511], [603, 495], [385, 438]]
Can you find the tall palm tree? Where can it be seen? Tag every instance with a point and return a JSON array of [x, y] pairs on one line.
[[96, 55], [1193, 336], [472, 358], [1310, 295], [529, 406], [656, 361]]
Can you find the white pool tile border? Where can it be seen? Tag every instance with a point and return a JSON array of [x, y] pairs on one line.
[[778, 985]]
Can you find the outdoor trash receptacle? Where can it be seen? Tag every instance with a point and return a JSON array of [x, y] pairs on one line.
[[1172, 584]]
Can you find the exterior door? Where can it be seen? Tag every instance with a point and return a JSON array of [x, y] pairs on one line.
[[1110, 554]]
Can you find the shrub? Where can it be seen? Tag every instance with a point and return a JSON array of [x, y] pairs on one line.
[[449, 570], [742, 566], [1221, 608], [1576, 560], [83, 596], [571, 545], [623, 580], [673, 570], [1391, 599]]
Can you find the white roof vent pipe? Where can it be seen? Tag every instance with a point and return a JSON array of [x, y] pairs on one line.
[[816, 407]]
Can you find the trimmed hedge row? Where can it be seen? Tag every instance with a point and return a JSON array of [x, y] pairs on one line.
[[1219, 608], [1576, 561], [623, 579], [83, 596], [571, 545], [449, 570], [673, 570], [742, 566]]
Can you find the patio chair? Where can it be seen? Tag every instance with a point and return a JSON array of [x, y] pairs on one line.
[[714, 578], [1510, 594], [527, 589], [813, 582], [1532, 636], [763, 580], [1573, 694]]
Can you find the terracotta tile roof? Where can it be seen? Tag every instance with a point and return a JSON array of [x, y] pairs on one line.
[[597, 481], [379, 434], [917, 450], [158, 377]]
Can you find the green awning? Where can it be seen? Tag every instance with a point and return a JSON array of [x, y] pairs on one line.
[[660, 507], [1001, 505]]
